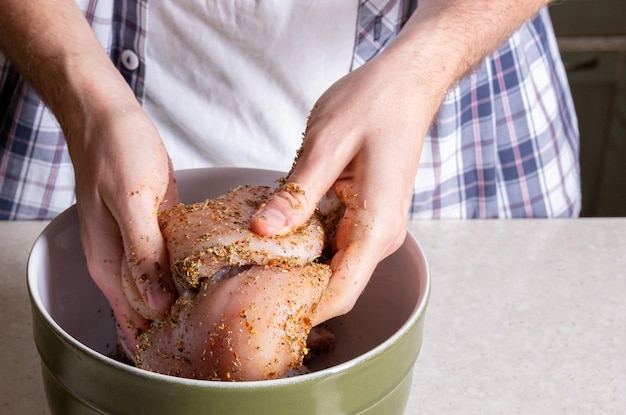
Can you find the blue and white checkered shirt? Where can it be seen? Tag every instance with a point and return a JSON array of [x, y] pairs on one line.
[[504, 142]]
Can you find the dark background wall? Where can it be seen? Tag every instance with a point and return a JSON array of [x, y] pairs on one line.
[[592, 40]]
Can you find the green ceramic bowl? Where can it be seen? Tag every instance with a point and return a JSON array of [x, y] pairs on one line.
[[369, 372]]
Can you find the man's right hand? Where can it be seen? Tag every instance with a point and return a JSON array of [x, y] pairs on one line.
[[123, 177], [123, 173]]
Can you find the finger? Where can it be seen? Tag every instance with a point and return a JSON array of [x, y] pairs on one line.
[[147, 260], [171, 195], [104, 255], [371, 229], [146, 254], [130, 323], [350, 275], [131, 292], [314, 172], [361, 246]]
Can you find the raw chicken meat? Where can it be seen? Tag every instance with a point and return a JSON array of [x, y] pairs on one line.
[[209, 237], [246, 303]]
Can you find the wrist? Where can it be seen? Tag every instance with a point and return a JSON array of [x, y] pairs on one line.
[[90, 94], [53, 47], [445, 39]]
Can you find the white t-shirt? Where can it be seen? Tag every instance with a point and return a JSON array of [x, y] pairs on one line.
[[230, 83]]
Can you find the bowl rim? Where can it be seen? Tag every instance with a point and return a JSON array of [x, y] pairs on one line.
[[38, 306]]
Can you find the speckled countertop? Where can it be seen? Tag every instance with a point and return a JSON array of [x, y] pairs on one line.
[[525, 317]]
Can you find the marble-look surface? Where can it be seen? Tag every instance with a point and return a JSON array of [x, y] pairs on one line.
[[525, 317]]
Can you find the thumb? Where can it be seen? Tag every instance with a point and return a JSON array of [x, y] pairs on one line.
[[289, 207], [292, 204], [145, 267]]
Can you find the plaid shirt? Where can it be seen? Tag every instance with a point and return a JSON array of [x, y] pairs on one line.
[[504, 143]]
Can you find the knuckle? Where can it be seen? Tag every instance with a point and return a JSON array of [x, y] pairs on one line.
[[294, 194]]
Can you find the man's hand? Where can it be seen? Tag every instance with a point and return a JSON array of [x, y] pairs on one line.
[[123, 177], [360, 144], [365, 134], [122, 170]]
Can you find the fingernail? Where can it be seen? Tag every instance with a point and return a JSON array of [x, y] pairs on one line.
[[157, 301], [272, 218]]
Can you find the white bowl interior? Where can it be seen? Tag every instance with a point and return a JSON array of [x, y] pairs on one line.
[[61, 286]]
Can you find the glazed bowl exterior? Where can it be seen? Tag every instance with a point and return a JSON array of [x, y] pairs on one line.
[[369, 371]]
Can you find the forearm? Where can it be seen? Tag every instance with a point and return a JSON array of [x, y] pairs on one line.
[[445, 39], [52, 46]]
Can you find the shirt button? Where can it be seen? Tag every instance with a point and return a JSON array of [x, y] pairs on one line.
[[130, 60]]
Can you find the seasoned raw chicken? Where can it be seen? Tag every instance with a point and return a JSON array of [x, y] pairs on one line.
[[203, 238], [246, 302]]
